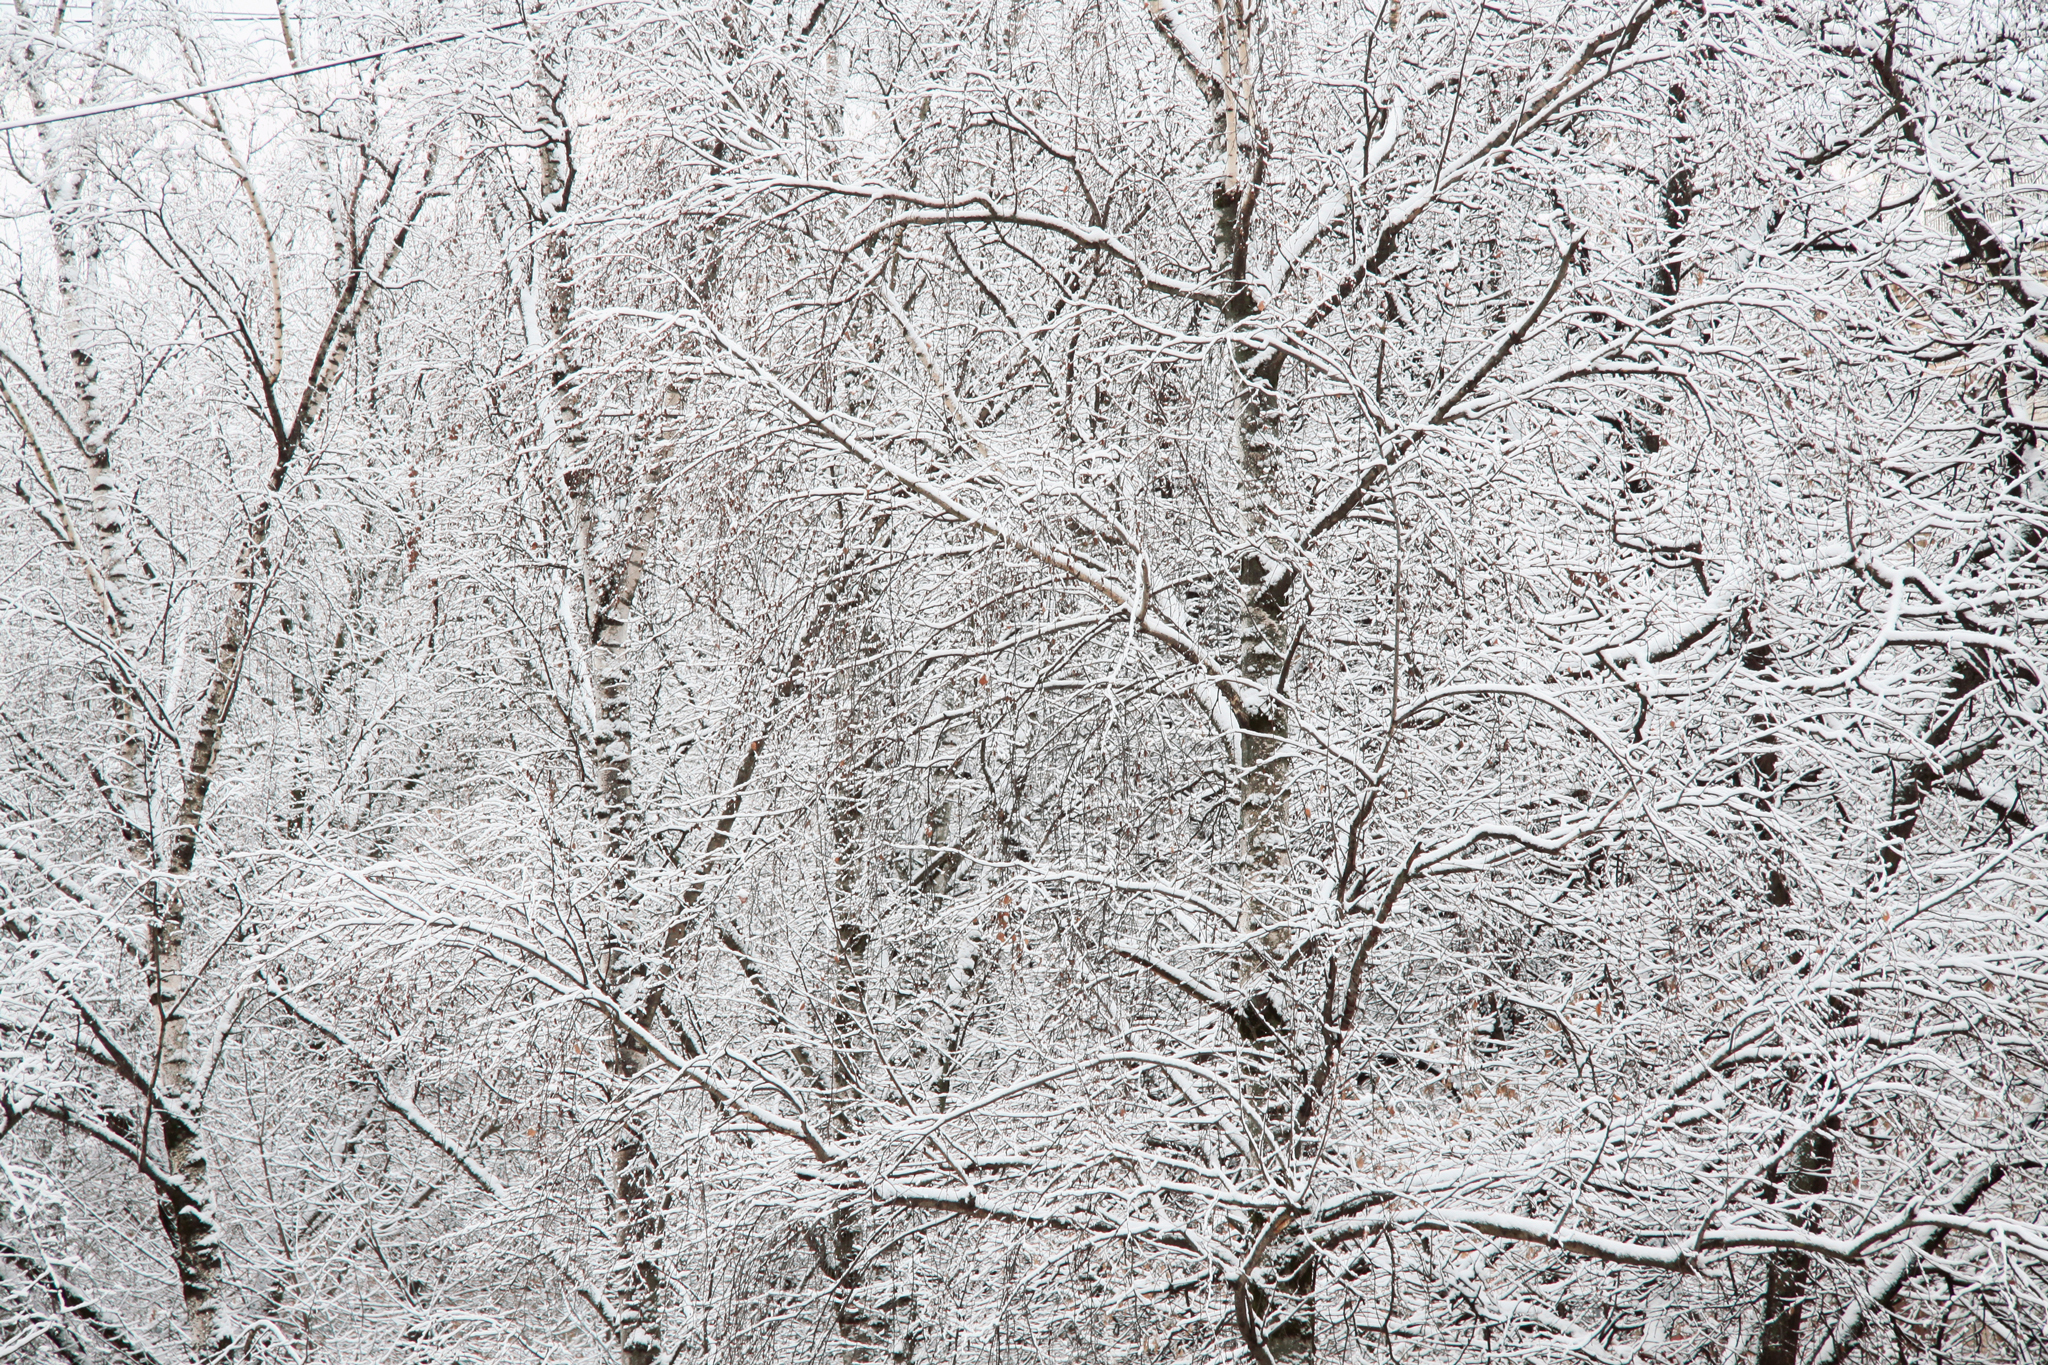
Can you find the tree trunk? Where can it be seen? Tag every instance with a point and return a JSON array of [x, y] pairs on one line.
[[597, 616], [1788, 1272]]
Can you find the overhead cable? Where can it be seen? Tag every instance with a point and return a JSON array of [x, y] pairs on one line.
[[98, 109]]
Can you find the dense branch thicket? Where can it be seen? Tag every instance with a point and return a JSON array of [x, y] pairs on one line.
[[1116, 680]]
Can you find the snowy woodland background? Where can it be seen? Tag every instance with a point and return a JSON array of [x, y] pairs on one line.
[[1092, 680]]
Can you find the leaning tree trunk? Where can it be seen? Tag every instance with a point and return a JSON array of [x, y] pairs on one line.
[[1974, 673], [596, 617]]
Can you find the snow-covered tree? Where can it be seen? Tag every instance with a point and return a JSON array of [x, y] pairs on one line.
[[1141, 681]]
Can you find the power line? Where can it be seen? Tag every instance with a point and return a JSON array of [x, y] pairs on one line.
[[98, 109]]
